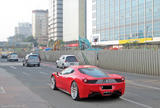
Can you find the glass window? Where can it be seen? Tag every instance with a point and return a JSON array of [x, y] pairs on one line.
[[94, 72], [67, 71], [71, 59]]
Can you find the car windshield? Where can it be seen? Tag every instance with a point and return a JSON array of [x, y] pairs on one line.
[[71, 59], [94, 72], [33, 56], [13, 54]]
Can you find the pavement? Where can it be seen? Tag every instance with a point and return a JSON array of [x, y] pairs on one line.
[[28, 87]]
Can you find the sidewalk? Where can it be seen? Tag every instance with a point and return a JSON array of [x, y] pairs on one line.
[[13, 94]]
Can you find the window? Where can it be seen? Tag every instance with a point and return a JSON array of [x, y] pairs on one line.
[[67, 71], [71, 59], [94, 72]]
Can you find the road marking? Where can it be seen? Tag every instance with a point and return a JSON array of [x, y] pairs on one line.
[[145, 86], [11, 106], [13, 67], [137, 103], [44, 73], [2, 90], [27, 74]]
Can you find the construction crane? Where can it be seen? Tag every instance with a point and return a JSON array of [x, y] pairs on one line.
[[56, 45]]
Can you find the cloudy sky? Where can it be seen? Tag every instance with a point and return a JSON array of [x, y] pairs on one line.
[[14, 11]]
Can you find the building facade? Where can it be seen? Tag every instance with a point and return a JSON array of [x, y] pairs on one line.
[[24, 30], [74, 19], [40, 26], [123, 21], [55, 20]]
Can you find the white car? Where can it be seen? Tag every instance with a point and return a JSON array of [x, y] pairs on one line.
[[66, 61], [12, 57]]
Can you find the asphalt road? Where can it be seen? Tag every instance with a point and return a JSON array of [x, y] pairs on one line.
[[28, 87]]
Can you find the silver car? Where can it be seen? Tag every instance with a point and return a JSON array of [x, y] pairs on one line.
[[31, 60]]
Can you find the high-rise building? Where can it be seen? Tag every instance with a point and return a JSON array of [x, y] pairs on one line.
[[24, 30], [74, 19], [125, 21], [55, 21], [40, 26]]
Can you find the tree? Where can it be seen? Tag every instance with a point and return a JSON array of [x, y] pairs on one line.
[[31, 39], [51, 43]]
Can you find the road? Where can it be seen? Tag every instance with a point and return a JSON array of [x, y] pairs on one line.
[[28, 87]]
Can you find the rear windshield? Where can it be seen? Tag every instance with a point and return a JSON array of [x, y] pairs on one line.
[[13, 54], [71, 59], [94, 72], [33, 56]]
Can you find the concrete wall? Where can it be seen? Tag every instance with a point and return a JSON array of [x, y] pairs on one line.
[[141, 61]]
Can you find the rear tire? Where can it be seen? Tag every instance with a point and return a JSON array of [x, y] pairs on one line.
[[63, 66], [74, 91], [57, 65], [38, 65]]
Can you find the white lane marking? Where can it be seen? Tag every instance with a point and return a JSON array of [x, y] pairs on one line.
[[13, 67], [27, 74], [11, 106], [44, 73], [145, 86], [2, 90], [137, 103]]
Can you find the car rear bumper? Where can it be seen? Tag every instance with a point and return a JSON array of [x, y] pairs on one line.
[[33, 63], [70, 64], [13, 59], [103, 89]]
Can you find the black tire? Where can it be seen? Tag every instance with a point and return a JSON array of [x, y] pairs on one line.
[[38, 65], [53, 83], [57, 65], [23, 64], [76, 97], [63, 66]]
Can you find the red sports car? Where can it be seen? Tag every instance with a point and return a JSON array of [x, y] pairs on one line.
[[84, 81]]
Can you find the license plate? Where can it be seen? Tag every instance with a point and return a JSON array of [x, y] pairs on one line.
[[106, 87]]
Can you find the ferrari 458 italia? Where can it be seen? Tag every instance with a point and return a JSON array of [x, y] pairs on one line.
[[84, 81]]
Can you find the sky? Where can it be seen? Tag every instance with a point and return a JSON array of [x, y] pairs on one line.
[[14, 11]]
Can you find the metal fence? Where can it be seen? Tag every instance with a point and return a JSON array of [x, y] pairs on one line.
[[141, 61]]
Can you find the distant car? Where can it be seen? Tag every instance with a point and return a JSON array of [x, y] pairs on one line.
[[4, 56], [85, 81], [31, 60], [66, 61], [12, 57]]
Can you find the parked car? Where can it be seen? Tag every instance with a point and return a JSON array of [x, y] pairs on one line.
[[85, 81], [31, 60], [66, 61], [12, 57]]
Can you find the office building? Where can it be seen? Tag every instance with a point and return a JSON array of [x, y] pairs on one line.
[[74, 20], [55, 20], [125, 21], [40, 26], [24, 30]]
